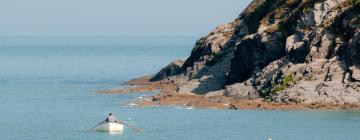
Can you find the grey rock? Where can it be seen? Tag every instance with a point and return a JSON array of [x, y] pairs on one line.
[[240, 90], [170, 70], [293, 43], [303, 51]]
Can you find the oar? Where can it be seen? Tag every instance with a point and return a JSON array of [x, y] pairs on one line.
[[132, 127], [94, 126]]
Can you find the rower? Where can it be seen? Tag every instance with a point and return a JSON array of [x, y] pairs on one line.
[[111, 119]]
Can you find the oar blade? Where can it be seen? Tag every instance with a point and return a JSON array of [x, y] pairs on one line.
[[132, 127], [93, 127]]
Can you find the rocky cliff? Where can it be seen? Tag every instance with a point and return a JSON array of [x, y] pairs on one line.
[[278, 50]]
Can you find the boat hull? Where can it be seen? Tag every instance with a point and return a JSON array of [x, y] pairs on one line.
[[110, 127]]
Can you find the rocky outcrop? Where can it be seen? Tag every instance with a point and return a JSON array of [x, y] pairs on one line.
[[279, 50], [170, 70]]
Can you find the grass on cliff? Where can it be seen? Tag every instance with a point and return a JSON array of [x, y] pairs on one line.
[[285, 82], [276, 88]]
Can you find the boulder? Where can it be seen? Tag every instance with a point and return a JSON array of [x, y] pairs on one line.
[[170, 70]]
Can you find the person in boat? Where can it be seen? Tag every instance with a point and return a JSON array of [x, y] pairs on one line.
[[111, 119]]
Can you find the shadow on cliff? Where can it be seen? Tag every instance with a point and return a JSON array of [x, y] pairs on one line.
[[238, 59], [248, 52], [350, 50]]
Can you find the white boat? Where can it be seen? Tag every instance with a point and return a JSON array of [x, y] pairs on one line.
[[110, 127]]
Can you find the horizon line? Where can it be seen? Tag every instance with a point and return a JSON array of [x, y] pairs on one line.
[[100, 36]]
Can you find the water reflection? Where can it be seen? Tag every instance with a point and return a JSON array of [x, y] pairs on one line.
[[116, 133]]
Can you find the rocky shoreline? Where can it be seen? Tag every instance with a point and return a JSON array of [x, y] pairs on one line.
[[170, 97]]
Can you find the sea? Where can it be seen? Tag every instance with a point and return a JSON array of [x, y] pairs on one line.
[[48, 84]]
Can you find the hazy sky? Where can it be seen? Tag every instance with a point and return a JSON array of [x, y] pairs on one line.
[[115, 17]]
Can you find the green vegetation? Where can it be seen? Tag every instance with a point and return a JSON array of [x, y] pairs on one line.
[[308, 6], [264, 92], [258, 11], [355, 23], [307, 9], [276, 88], [285, 82], [356, 3], [288, 79]]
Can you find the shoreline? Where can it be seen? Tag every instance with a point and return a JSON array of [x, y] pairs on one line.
[[169, 97]]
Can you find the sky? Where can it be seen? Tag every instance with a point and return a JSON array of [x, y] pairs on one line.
[[115, 17]]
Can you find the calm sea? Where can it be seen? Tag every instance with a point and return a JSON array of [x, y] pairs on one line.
[[47, 84]]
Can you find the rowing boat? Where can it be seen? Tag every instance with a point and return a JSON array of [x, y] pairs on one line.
[[110, 127]]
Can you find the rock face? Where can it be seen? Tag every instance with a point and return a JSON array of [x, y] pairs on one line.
[[281, 50], [171, 69]]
